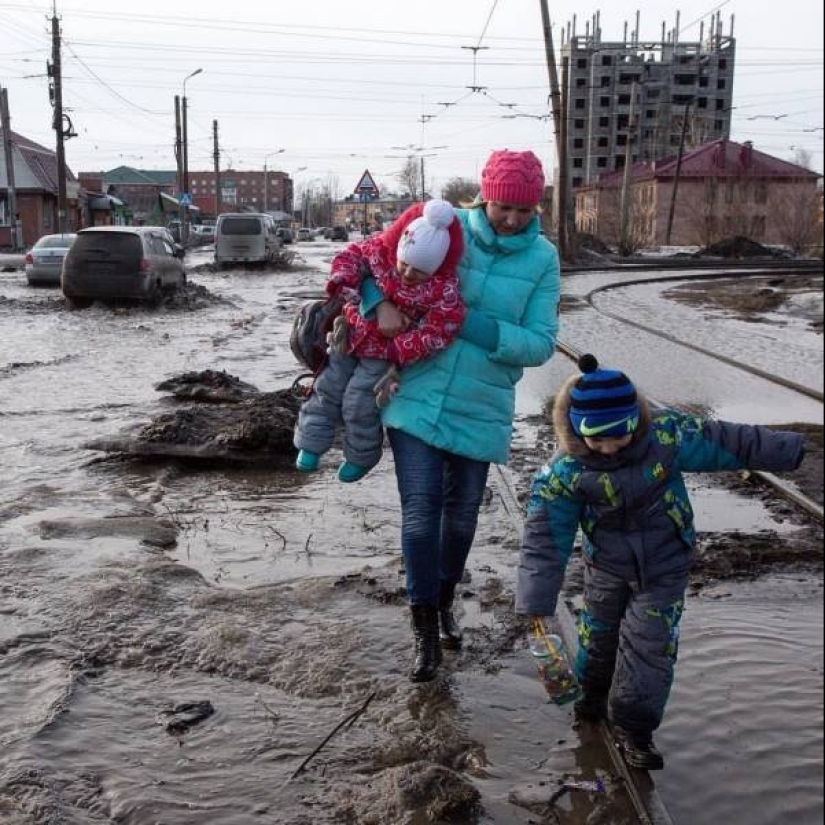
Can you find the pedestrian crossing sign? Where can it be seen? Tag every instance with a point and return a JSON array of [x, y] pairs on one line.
[[185, 199], [366, 186]]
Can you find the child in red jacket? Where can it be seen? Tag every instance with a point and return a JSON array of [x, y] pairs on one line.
[[414, 265]]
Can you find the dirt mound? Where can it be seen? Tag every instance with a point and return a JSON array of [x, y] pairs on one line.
[[252, 427], [737, 247], [208, 385]]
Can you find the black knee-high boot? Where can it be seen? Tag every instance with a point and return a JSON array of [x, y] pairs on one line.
[[450, 630], [427, 645]]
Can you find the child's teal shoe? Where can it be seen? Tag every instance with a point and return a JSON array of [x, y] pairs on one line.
[[307, 461], [349, 472]]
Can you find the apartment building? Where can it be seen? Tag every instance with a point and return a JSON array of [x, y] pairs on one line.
[[644, 93]]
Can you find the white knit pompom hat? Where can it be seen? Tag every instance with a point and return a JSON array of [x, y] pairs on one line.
[[426, 240]]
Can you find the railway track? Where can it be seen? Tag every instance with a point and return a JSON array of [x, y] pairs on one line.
[[776, 379]]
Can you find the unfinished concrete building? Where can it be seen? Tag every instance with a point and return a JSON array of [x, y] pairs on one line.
[[643, 93]]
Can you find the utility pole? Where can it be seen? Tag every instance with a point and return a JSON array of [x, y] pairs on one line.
[[179, 162], [672, 211], [54, 71], [8, 154], [558, 128], [216, 155], [568, 217], [423, 185], [624, 208]]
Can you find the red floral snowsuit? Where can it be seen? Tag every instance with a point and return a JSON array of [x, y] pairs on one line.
[[435, 306]]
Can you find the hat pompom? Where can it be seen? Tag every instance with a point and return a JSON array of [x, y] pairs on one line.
[[439, 213], [588, 363]]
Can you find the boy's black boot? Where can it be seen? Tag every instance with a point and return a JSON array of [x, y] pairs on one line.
[[427, 644], [450, 632], [639, 750], [592, 707]]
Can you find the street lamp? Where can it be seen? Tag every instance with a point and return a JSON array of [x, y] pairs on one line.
[[266, 181], [184, 229]]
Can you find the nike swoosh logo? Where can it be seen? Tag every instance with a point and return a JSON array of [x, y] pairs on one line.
[[591, 431]]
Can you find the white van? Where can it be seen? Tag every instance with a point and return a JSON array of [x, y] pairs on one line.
[[245, 238]]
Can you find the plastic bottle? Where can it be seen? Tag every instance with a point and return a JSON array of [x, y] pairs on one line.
[[553, 667]]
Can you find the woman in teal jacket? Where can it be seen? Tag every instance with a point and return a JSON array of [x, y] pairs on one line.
[[453, 414]]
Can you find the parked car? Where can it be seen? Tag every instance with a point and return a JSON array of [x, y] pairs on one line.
[[285, 234], [305, 234], [339, 233], [45, 259], [116, 262], [202, 234], [246, 238]]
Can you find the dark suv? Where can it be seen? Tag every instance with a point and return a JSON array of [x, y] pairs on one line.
[[114, 262], [339, 233]]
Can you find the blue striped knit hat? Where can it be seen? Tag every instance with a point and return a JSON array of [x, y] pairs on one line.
[[602, 402]]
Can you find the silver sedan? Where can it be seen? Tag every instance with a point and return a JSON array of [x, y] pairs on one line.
[[45, 259]]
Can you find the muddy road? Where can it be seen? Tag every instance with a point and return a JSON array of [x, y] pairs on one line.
[[177, 637]]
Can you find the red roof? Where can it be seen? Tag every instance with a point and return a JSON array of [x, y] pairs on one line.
[[721, 158]]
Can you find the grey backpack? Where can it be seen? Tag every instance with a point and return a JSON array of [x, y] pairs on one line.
[[308, 340]]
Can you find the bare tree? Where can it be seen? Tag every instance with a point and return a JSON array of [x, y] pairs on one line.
[[794, 215], [409, 176], [459, 191], [803, 157]]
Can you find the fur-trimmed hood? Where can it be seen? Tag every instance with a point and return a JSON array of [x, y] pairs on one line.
[[568, 441]]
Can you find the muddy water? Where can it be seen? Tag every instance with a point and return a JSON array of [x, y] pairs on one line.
[[281, 603]]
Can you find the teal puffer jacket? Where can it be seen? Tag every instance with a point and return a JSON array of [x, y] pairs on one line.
[[463, 399]]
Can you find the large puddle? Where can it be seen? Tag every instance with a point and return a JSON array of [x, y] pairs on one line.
[[281, 603]]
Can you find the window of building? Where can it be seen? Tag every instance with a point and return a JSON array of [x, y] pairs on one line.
[[653, 94], [604, 80], [578, 143], [580, 103], [578, 163], [718, 125], [578, 123], [604, 102], [622, 121], [604, 122], [607, 60], [685, 79], [601, 162], [723, 64], [720, 104], [681, 100], [627, 79], [621, 140], [577, 182], [624, 100], [675, 140], [618, 162], [581, 63], [702, 103], [194, 190], [703, 83], [601, 142], [581, 82], [650, 114], [721, 83]]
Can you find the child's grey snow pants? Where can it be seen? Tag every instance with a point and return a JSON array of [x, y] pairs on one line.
[[628, 643], [343, 391]]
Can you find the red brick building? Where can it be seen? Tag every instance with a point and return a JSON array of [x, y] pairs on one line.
[[35, 187], [724, 189]]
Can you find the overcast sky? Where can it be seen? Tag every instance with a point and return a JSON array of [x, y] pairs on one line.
[[347, 85]]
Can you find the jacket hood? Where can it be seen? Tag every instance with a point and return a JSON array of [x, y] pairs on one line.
[[571, 444]]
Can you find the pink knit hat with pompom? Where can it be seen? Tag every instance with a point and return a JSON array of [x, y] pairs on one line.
[[513, 177]]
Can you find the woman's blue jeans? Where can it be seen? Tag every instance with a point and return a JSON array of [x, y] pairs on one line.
[[441, 494]]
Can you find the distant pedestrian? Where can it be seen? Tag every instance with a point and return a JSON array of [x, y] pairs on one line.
[[453, 414], [413, 263], [618, 477]]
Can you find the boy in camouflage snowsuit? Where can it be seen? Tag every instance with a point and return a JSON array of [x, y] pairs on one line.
[[618, 477]]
